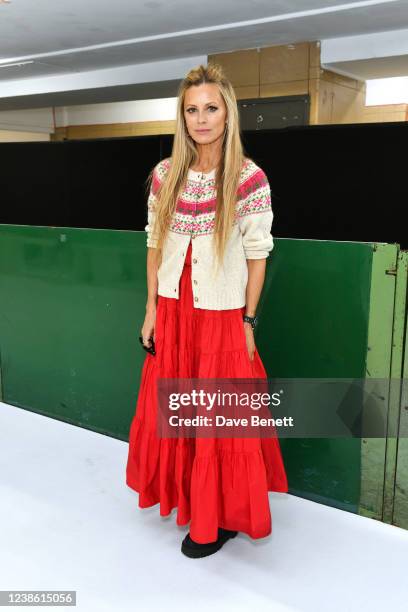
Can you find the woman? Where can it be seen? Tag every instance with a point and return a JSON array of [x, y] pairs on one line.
[[208, 237]]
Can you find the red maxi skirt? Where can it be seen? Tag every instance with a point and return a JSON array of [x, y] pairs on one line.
[[213, 482]]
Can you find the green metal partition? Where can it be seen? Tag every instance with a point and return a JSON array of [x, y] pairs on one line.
[[330, 308], [399, 491], [73, 301], [72, 305]]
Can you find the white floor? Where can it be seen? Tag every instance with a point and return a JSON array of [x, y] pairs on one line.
[[69, 522]]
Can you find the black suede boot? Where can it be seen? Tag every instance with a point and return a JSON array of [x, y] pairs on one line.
[[194, 550], [227, 532]]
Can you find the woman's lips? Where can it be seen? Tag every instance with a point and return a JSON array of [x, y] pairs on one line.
[[202, 130]]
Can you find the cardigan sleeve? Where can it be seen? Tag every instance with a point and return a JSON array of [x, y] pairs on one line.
[[151, 208], [255, 216]]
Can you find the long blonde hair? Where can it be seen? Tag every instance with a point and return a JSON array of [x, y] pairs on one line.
[[184, 154]]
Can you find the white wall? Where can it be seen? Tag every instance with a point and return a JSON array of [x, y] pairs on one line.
[[387, 91], [18, 125], [39, 120], [162, 109]]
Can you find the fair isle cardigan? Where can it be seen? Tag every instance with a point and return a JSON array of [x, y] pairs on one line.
[[194, 220]]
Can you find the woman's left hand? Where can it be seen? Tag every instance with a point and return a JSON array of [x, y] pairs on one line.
[[250, 341]]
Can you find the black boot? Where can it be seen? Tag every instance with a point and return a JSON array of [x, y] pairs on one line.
[[194, 550], [227, 532]]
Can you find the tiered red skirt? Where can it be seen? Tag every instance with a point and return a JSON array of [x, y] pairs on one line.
[[222, 482]]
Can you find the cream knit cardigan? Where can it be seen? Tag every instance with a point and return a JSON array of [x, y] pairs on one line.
[[194, 220]]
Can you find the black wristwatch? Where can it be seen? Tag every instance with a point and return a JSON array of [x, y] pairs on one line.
[[252, 320]]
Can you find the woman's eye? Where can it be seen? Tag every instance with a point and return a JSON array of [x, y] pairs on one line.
[[213, 108]]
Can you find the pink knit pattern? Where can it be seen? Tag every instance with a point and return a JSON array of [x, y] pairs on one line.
[[195, 209]]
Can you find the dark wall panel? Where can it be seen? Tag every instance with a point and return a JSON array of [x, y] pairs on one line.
[[336, 182]]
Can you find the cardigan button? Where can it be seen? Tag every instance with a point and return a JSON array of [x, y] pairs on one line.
[[194, 260], [195, 282], [196, 299]]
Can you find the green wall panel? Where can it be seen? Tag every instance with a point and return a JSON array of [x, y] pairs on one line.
[[399, 493], [314, 320], [382, 363], [73, 301], [72, 304]]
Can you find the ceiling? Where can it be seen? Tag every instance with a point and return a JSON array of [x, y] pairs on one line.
[[86, 39]]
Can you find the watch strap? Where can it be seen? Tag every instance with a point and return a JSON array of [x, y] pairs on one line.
[[252, 320]]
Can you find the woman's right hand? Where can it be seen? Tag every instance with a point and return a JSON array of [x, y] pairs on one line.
[[148, 328]]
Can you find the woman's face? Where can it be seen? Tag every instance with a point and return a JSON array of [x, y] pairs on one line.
[[205, 113]]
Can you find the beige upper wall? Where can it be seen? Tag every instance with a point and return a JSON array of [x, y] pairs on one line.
[[14, 136], [280, 70], [295, 69]]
